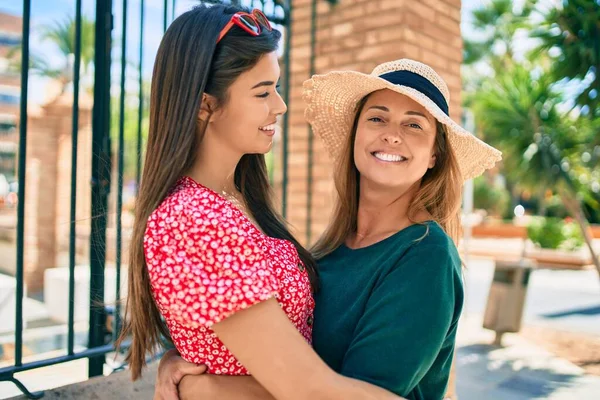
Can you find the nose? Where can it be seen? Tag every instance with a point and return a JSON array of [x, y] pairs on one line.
[[392, 138], [279, 108]]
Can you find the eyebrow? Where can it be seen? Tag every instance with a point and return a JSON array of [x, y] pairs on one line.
[[263, 83], [417, 114], [382, 108]]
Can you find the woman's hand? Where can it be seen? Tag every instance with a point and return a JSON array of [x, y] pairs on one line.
[[171, 369]]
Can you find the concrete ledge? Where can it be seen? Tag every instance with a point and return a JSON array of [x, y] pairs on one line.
[[115, 386]]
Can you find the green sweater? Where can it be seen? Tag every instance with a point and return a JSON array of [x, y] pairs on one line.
[[388, 313]]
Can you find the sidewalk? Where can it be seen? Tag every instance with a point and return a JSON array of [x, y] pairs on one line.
[[519, 370]]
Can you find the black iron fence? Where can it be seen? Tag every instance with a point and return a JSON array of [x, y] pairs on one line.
[[100, 339]]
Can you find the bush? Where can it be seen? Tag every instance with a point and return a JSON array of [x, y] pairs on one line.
[[495, 200], [554, 233], [573, 236], [555, 208]]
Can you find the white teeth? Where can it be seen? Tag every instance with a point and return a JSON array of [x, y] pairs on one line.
[[268, 128], [389, 157]]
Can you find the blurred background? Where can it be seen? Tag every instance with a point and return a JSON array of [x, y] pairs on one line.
[[523, 75]]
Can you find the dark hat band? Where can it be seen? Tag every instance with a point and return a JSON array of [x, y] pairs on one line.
[[417, 82]]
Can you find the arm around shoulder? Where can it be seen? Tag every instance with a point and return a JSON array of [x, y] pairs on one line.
[[279, 358]]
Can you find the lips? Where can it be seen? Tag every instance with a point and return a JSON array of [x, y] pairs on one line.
[[268, 130], [388, 157], [270, 127]]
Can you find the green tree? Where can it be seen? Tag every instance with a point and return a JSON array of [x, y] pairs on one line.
[[130, 132], [518, 110], [497, 24], [62, 34], [571, 34]]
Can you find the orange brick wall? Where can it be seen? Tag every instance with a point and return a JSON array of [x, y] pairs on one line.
[[48, 186], [358, 35]]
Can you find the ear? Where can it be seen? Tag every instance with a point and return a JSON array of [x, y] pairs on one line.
[[207, 107], [432, 161]]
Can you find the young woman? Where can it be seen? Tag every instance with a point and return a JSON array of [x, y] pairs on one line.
[[210, 255], [390, 275]]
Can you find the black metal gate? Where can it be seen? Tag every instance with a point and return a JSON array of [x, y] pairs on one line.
[[101, 340]]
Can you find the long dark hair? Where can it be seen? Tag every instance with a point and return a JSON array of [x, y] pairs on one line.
[[188, 64]]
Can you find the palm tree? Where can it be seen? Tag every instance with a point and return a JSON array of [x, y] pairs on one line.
[[498, 24], [518, 112], [62, 34], [572, 32]]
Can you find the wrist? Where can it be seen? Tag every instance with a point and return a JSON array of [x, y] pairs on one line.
[[169, 354], [196, 386]]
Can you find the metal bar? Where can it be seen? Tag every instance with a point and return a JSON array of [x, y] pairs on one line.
[[138, 168], [165, 16], [22, 166], [96, 351], [24, 390], [100, 179], [309, 194], [173, 11], [119, 227], [72, 215], [286, 97]]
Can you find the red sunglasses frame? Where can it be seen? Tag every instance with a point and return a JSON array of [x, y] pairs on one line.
[[236, 20]]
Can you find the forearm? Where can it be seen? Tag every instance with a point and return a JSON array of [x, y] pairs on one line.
[[350, 388], [222, 387]]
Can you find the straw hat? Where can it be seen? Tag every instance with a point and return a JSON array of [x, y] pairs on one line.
[[332, 100]]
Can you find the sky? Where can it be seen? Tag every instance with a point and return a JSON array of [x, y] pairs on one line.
[[45, 12]]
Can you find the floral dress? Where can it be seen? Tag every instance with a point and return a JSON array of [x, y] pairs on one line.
[[206, 261]]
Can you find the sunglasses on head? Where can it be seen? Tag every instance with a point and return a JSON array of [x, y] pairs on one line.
[[250, 23]]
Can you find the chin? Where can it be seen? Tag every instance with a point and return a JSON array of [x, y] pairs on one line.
[[268, 148], [386, 182], [382, 182], [262, 150]]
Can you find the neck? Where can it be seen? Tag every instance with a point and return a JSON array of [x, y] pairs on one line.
[[382, 210], [215, 166]]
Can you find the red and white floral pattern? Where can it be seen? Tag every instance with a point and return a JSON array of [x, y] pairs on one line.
[[206, 261]]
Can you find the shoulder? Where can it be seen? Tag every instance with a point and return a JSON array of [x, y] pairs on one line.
[[191, 203], [428, 249], [430, 265], [193, 215], [431, 241]]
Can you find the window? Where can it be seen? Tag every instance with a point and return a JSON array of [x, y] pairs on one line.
[[8, 164], [9, 39], [7, 128], [6, 98]]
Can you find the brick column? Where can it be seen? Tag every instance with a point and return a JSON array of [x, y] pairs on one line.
[[40, 198], [48, 183], [358, 35], [63, 109]]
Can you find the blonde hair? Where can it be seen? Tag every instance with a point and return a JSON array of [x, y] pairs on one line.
[[439, 193]]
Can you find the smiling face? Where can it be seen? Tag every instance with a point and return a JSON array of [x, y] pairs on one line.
[[394, 143], [245, 124]]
